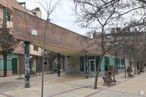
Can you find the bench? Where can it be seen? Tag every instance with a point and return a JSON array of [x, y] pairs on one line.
[[108, 80], [130, 75]]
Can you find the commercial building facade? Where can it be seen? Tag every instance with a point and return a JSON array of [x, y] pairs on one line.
[[28, 27]]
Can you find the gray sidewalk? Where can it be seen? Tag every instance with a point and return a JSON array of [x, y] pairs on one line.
[[78, 86]]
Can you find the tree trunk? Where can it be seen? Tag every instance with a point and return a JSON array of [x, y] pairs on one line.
[[101, 58], [87, 67], [5, 63], [134, 67], [97, 72], [125, 71]]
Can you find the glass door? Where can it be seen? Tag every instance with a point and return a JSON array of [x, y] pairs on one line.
[[92, 65]]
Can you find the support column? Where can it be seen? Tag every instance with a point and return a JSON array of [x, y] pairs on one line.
[[58, 64], [5, 63], [5, 52], [87, 66], [27, 64], [21, 66]]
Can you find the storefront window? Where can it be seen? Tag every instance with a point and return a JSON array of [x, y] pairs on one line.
[[107, 62], [82, 64]]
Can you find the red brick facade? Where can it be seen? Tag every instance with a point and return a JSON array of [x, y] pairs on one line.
[[58, 39]]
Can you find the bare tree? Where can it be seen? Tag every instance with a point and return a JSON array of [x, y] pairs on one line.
[[92, 15], [49, 9], [99, 15]]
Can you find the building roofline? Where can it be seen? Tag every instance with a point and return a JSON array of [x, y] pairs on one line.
[[52, 23]]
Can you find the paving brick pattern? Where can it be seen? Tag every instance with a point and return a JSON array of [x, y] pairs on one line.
[[76, 86]]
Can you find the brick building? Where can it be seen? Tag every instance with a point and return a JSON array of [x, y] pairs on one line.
[[27, 26]]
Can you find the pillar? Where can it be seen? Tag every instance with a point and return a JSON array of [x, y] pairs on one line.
[[27, 64], [5, 63], [21, 66]]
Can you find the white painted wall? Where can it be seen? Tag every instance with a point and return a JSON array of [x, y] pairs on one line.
[[34, 64], [33, 52], [72, 64], [127, 62]]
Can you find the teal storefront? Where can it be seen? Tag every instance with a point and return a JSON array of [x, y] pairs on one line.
[[88, 63], [11, 65], [14, 62]]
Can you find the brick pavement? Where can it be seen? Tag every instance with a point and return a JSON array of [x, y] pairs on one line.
[[71, 86]]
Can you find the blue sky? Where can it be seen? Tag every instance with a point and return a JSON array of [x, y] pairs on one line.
[[63, 14]]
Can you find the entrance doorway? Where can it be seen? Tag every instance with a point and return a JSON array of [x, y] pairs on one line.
[[14, 66], [92, 65], [107, 63]]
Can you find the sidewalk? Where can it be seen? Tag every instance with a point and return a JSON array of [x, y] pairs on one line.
[[77, 86]]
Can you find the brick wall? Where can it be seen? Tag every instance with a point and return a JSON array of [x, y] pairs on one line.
[[12, 4], [57, 38]]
